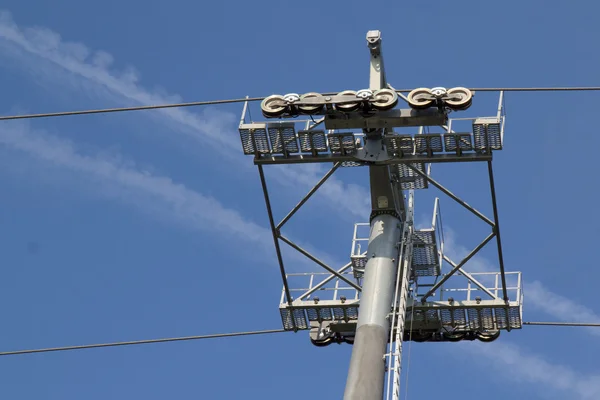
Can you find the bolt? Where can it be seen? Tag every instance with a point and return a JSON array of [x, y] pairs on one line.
[[327, 98]]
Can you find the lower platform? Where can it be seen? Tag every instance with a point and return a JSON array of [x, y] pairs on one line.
[[333, 317], [435, 315]]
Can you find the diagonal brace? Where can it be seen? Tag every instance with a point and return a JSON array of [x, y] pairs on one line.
[[458, 266], [321, 263], [308, 195], [471, 278], [275, 241], [497, 231], [452, 195], [498, 240], [324, 282]]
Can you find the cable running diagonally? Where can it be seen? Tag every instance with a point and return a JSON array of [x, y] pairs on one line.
[[138, 342], [588, 324], [122, 109], [241, 100]]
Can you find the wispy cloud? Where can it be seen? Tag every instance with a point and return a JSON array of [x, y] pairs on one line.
[[113, 176], [520, 365], [32, 45], [143, 189]]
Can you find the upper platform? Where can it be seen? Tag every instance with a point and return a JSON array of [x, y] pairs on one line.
[[409, 135]]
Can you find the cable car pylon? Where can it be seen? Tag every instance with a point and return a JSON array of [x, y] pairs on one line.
[[395, 286]]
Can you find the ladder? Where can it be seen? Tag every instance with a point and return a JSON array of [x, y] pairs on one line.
[[394, 357]]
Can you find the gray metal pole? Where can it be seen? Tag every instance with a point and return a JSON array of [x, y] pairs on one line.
[[366, 375]]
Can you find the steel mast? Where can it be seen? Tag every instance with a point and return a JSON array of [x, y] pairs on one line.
[[366, 375]]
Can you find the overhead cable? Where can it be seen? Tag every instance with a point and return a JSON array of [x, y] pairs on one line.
[[138, 342], [589, 324], [252, 99]]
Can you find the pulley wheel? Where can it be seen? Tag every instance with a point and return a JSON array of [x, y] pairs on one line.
[[322, 342], [271, 110], [466, 97], [488, 336], [453, 336], [311, 109], [385, 99], [418, 99], [347, 107]]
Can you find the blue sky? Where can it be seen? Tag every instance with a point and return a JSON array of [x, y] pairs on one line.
[[152, 224]]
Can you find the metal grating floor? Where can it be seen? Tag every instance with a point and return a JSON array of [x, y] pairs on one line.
[[342, 143], [487, 134], [299, 319], [481, 318], [283, 138], [312, 141], [408, 178], [465, 318], [347, 164], [429, 143], [399, 145], [304, 314], [428, 316], [456, 141], [358, 265], [425, 260], [254, 139]]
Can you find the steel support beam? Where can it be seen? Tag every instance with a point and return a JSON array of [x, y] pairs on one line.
[[452, 195], [497, 231], [457, 267], [308, 195], [316, 260], [471, 278], [323, 282], [267, 159], [275, 240], [498, 239]]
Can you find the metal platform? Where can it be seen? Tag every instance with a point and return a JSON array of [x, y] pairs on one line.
[[337, 304], [462, 316], [318, 297], [302, 141]]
